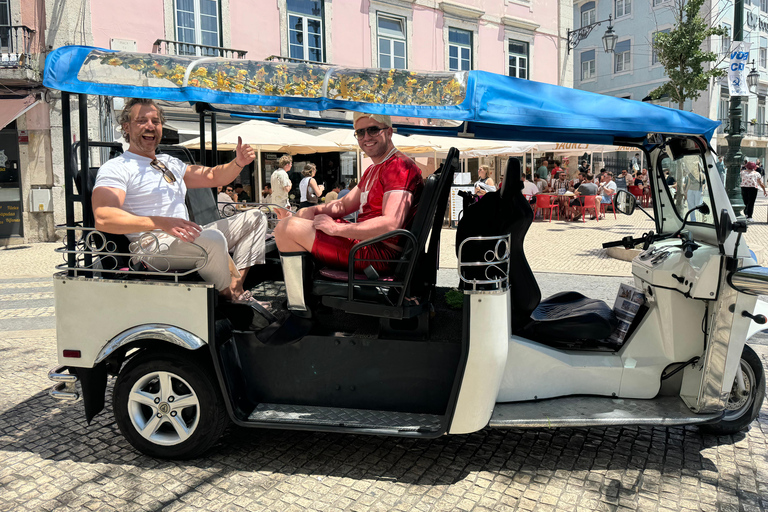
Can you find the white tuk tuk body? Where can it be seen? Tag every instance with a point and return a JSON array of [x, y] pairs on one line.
[[383, 363]]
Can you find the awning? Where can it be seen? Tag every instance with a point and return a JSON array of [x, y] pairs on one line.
[[11, 109], [265, 136]]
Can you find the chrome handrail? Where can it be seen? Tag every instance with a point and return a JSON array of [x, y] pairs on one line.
[[147, 249], [494, 259]]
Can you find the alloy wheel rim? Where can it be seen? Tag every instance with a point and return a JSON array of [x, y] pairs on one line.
[[164, 409], [739, 404]]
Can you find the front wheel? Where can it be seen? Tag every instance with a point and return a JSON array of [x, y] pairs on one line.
[[169, 406], [742, 407]]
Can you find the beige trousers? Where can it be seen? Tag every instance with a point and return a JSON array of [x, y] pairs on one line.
[[242, 234]]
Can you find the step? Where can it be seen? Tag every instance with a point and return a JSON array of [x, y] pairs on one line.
[[349, 418], [591, 411]]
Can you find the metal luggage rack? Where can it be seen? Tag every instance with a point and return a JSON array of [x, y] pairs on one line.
[[496, 260], [91, 254]]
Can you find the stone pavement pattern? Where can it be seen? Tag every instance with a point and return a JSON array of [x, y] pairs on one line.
[[51, 460]]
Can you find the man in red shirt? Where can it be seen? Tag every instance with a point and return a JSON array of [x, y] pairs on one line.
[[386, 198]]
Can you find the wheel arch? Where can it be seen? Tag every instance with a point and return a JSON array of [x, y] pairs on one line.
[[161, 337]]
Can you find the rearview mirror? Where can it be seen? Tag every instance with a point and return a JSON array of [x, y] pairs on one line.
[[724, 226], [625, 202]]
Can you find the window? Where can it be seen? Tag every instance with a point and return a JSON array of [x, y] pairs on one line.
[[305, 30], [587, 65], [391, 37], [197, 22], [518, 59], [622, 56], [761, 116], [459, 49], [725, 105], [763, 52], [654, 53], [624, 8], [659, 2], [588, 14], [764, 5], [726, 39]]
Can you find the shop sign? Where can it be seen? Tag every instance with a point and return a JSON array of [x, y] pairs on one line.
[[23, 137], [562, 145], [10, 218], [755, 21]]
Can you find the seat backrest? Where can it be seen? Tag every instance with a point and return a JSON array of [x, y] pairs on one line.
[[427, 269], [543, 201], [202, 206], [501, 213]]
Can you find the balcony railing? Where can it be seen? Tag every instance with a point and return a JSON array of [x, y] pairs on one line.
[[16, 47], [747, 128], [277, 58], [167, 47]]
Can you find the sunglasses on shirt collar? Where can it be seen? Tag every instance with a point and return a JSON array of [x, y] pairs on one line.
[[160, 166]]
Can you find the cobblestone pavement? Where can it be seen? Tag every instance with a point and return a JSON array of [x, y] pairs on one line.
[[51, 460]]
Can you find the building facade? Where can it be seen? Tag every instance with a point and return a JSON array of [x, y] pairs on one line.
[[521, 38], [26, 178]]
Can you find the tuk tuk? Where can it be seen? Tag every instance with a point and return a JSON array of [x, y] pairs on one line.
[[388, 357]]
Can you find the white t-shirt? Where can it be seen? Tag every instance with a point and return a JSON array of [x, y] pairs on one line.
[[279, 181], [610, 185], [146, 191], [530, 189]]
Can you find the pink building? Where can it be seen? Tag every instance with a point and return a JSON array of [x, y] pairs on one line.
[[521, 38], [515, 37]]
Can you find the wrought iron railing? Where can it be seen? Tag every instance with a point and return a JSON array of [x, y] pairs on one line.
[[16, 46], [747, 128], [167, 47], [277, 58]]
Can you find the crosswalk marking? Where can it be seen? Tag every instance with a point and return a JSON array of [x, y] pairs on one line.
[[27, 313], [32, 284], [26, 296]]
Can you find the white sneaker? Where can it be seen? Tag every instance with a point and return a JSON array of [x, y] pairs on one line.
[[750, 220]]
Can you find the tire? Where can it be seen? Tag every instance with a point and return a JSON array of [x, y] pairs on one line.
[[168, 405], [741, 411]]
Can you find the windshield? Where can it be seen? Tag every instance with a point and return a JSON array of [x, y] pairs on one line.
[[687, 186]]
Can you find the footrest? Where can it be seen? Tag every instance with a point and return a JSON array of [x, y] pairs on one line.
[[596, 411], [350, 418]]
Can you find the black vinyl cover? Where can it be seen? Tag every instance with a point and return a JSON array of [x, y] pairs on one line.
[[571, 316]]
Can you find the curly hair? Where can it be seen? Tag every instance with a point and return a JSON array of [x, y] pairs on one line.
[[284, 160], [308, 170], [125, 115]]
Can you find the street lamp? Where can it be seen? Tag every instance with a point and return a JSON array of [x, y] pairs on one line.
[[735, 135], [574, 37], [753, 78]]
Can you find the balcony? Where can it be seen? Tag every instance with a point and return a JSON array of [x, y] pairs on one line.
[[747, 128], [19, 57], [277, 58], [166, 47]]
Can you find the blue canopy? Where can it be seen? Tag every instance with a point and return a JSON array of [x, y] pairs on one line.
[[492, 106]]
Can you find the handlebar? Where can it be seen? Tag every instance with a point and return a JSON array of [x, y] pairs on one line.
[[629, 242]]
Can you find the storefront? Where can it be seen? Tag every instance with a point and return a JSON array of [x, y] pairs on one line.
[[10, 183]]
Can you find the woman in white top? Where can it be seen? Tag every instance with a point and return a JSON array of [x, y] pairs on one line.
[[310, 190], [485, 183], [750, 180]]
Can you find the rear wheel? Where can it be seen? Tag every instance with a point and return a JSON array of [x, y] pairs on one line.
[[169, 406], [742, 407]]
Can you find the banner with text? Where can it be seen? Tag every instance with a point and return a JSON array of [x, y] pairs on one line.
[[737, 68]]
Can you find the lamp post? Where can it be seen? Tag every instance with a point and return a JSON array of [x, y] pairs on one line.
[[609, 38], [735, 132]]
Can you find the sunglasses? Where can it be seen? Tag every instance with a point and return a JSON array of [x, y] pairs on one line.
[[373, 131], [160, 166]]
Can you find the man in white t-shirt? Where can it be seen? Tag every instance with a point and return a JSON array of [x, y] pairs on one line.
[[607, 188], [529, 188], [140, 191], [281, 185]]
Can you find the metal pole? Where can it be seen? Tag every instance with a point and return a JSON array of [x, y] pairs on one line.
[[214, 145], [735, 133], [202, 138], [88, 219], [69, 176]]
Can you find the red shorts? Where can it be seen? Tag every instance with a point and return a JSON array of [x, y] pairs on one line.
[[334, 252]]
